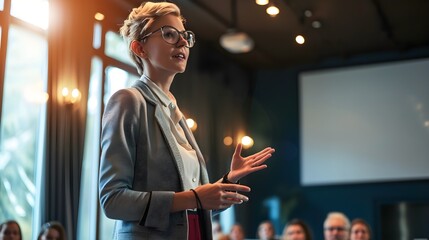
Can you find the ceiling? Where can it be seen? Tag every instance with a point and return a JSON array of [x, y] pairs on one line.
[[349, 28]]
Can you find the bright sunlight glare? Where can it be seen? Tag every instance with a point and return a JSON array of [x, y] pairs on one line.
[[35, 12]]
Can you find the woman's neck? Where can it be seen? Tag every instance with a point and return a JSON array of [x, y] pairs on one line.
[[162, 81]]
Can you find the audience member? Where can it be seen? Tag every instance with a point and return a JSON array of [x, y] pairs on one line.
[[237, 232], [52, 231], [360, 230], [266, 231], [296, 230], [217, 231], [10, 230], [336, 226]]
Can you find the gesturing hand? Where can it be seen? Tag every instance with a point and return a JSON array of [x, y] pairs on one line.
[[243, 166], [219, 195]]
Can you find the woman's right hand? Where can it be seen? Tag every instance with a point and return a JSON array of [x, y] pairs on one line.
[[220, 195]]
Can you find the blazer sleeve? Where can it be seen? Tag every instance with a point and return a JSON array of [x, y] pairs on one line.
[[120, 132]]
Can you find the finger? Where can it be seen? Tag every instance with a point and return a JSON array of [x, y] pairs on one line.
[[235, 187], [236, 197], [258, 168], [260, 161], [266, 151], [238, 149], [261, 153], [234, 200]]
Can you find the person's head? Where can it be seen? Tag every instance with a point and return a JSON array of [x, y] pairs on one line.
[[237, 232], [216, 227], [266, 230], [296, 230], [10, 230], [156, 37], [336, 226], [52, 231], [360, 230]]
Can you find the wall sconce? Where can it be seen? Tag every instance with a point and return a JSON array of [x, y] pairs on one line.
[[228, 141], [246, 141], [70, 97], [191, 124]]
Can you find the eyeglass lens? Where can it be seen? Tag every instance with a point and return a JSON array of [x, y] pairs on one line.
[[172, 36]]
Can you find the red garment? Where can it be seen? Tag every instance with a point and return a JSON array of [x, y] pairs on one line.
[[193, 227]]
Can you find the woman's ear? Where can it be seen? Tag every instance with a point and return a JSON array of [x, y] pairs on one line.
[[137, 49]]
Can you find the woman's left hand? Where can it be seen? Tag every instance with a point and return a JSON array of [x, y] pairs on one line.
[[243, 166]]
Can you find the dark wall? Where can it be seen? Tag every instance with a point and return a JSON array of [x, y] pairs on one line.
[[275, 122], [225, 97]]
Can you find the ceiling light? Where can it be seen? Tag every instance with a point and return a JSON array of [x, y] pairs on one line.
[[316, 24], [236, 42], [273, 11], [300, 39], [99, 16], [262, 2], [308, 13]]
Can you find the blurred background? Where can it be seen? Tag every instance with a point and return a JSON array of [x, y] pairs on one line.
[[338, 88]]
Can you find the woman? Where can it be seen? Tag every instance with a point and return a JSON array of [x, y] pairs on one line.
[[360, 230], [52, 231], [152, 173], [296, 230], [10, 230]]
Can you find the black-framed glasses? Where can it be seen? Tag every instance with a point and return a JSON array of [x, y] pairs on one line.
[[172, 36]]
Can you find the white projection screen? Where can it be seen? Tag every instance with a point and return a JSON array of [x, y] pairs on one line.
[[365, 124]]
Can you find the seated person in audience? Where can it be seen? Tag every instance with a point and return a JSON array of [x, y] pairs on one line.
[[266, 231], [10, 230], [296, 230], [336, 226], [360, 230], [237, 232], [52, 231], [217, 231]]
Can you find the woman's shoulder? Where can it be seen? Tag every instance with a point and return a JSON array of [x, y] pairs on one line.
[[126, 96]]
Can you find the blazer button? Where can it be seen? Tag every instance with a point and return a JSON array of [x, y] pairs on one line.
[[194, 179]]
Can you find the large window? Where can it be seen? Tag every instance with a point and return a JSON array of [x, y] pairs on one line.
[[107, 77], [23, 110]]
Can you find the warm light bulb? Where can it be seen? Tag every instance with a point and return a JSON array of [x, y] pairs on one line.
[[191, 124], [300, 39], [273, 11], [75, 93], [316, 24], [99, 16], [262, 2], [227, 141], [70, 97], [247, 141], [65, 92]]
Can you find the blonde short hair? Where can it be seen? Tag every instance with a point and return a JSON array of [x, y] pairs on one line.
[[140, 19]]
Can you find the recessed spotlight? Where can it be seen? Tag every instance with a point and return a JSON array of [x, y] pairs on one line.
[[273, 11], [316, 24], [300, 39], [308, 13], [262, 2]]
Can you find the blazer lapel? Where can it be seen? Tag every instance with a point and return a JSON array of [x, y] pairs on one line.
[[193, 142], [163, 123]]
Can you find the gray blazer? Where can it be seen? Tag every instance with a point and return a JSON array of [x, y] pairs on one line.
[[141, 168]]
